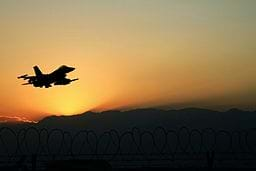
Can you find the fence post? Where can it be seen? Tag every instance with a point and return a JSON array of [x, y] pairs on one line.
[[210, 159], [34, 158], [21, 163]]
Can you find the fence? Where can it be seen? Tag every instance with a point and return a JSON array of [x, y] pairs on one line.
[[159, 147]]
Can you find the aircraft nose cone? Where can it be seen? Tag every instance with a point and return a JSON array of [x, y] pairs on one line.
[[66, 69], [71, 69]]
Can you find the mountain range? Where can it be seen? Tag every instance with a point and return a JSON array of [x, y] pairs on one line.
[[233, 119], [151, 118]]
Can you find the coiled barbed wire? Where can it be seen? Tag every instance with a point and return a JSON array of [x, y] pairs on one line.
[[131, 144]]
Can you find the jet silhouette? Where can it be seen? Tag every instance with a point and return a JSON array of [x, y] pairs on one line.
[[57, 77]]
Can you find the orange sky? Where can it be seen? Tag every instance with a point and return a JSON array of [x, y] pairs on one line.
[[128, 54]]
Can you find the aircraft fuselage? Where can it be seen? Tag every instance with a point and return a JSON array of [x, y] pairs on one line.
[[57, 77]]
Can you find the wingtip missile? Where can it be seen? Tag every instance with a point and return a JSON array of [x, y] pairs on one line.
[[75, 79]]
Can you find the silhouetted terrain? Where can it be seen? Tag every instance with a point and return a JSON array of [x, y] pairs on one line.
[[233, 119], [151, 118]]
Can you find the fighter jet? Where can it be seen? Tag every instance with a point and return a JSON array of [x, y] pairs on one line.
[[57, 77]]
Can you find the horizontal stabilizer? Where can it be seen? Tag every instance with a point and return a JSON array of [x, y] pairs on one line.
[[26, 84], [22, 76]]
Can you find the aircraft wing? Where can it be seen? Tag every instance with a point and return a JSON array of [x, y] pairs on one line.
[[64, 81]]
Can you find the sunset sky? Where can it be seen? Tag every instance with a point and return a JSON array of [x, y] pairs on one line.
[[128, 54]]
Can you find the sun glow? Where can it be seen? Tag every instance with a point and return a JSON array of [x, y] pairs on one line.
[[65, 102], [128, 54]]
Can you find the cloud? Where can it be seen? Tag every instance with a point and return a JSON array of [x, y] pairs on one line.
[[4, 119]]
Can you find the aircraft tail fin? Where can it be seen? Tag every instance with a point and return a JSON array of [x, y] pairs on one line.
[[37, 71]]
